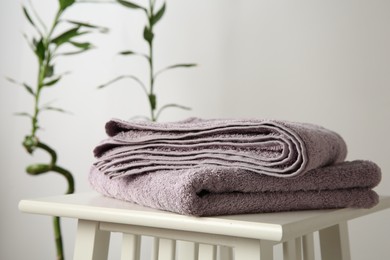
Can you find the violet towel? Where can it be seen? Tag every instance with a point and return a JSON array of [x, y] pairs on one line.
[[270, 147], [206, 191]]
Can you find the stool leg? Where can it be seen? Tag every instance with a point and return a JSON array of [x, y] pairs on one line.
[[91, 243], [131, 247], [155, 248], [167, 249], [251, 249], [334, 242], [308, 247], [187, 250], [225, 253], [292, 249], [207, 252]]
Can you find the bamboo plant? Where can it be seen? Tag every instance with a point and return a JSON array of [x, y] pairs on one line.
[[49, 44], [153, 15]]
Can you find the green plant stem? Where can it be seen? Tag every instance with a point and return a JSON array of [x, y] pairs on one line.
[[58, 238], [42, 72], [152, 97], [52, 153], [151, 94], [37, 169], [55, 168]]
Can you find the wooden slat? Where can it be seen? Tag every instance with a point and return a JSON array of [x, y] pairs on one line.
[[167, 250], [131, 247], [207, 252], [334, 242], [308, 247]]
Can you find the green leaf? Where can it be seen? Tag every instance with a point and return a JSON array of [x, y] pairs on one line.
[[188, 65], [156, 17], [74, 52], [51, 82], [29, 89], [28, 16], [184, 65], [25, 85], [23, 114], [85, 46], [123, 77], [49, 71], [66, 36], [40, 49], [87, 25], [13, 81], [81, 45], [131, 5], [56, 109], [148, 35], [66, 3], [153, 101], [127, 53]]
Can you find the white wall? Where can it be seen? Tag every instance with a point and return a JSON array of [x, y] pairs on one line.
[[325, 62]]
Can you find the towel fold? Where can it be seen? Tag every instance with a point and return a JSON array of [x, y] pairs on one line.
[[210, 190], [230, 166], [268, 147]]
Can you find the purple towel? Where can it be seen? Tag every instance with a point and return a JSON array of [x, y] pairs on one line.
[[268, 147], [213, 190]]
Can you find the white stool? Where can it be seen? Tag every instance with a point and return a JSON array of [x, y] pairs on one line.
[[239, 237]]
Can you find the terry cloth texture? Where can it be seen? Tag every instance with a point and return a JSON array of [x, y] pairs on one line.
[[209, 190], [214, 167], [269, 147]]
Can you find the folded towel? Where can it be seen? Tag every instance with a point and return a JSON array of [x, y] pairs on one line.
[[212, 190], [269, 147]]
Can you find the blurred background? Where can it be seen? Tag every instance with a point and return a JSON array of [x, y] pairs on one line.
[[323, 62]]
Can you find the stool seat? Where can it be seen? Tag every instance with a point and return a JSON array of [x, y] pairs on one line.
[[251, 235]]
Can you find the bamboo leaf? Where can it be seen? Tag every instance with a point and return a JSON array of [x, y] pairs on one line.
[[66, 3], [29, 89], [175, 66], [14, 81], [188, 65], [31, 21], [66, 36], [87, 25], [56, 109], [131, 5], [127, 53], [148, 35], [49, 71], [28, 16], [52, 82], [123, 77], [156, 17], [74, 52], [23, 114], [81, 45], [25, 85], [39, 49]]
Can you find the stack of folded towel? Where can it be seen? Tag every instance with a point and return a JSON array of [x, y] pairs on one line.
[[216, 167]]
